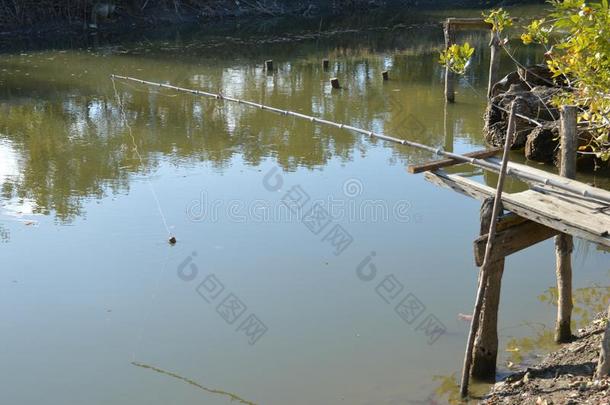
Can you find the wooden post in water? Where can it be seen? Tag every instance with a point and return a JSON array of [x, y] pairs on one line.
[[385, 75], [447, 129], [494, 62], [269, 65], [325, 64], [335, 83], [564, 243], [485, 353], [449, 31]]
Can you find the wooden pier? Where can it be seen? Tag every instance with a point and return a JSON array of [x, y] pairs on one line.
[[532, 216]]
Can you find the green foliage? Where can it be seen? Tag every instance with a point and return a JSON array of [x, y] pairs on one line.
[[499, 20], [577, 37], [456, 57]]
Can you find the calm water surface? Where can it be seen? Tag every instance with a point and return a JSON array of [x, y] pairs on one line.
[[258, 299]]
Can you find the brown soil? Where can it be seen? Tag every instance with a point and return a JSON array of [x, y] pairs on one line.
[[563, 377]]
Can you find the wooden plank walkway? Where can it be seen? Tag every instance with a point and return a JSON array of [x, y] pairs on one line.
[[561, 211]]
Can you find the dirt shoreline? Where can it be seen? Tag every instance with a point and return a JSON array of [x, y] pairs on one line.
[[564, 377]]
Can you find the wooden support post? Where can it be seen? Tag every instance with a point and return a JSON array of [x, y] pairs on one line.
[[269, 65], [335, 83], [564, 243], [325, 64], [486, 342], [449, 31], [385, 75], [494, 62]]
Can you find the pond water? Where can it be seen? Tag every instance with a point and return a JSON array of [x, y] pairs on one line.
[[309, 268]]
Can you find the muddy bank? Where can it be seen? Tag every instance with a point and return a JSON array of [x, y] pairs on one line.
[[563, 377]]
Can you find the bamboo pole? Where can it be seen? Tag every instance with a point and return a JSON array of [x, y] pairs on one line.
[[486, 267], [564, 243], [580, 190]]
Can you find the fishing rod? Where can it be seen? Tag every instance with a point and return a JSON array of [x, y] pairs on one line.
[[567, 185]]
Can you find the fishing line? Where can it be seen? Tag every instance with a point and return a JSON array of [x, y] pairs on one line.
[[153, 296], [135, 148]]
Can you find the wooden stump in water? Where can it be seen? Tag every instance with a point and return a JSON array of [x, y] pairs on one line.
[[335, 83], [385, 75]]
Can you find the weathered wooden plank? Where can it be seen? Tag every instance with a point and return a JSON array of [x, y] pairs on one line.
[[439, 164], [535, 206], [584, 217], [460, 184], [571, 198], [595, 222], [513, 239]]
